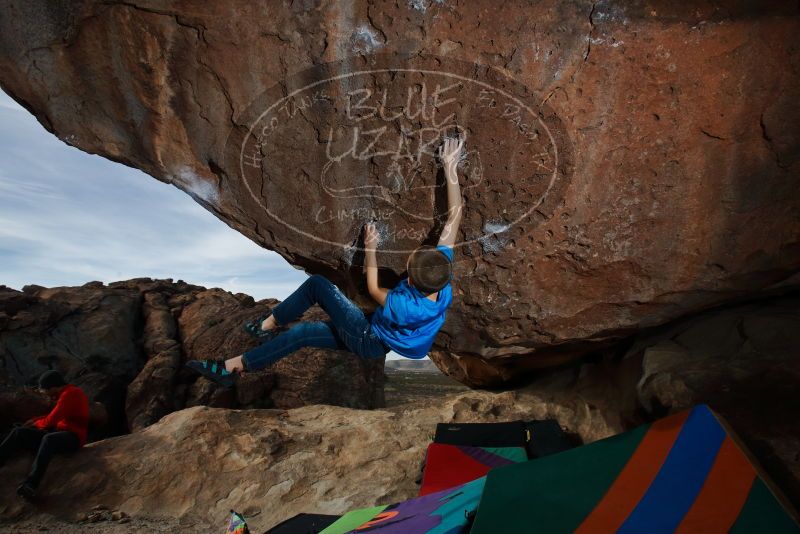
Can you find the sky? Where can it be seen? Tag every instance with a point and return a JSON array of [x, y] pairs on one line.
[[68, 218]]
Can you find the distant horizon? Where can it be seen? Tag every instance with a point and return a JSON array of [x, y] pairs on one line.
[[68, 218]]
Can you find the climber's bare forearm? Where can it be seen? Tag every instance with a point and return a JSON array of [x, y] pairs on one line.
[[455, 207], [371, 266], [450, 230], [453, 189]]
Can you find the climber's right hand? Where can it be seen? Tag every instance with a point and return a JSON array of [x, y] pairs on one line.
[[450, 151], [371, 236]]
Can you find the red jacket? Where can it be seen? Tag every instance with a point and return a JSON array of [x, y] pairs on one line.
[[70, 413]]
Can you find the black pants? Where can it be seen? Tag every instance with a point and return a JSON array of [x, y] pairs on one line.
[[41, 442]]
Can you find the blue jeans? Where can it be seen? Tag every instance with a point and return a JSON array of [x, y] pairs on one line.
[[348, 329], [43, 443]]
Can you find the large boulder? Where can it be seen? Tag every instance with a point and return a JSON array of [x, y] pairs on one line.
[[150, 395], [125, 344], [629, 162]]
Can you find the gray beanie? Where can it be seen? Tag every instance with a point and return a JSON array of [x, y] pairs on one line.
[[51, 379]]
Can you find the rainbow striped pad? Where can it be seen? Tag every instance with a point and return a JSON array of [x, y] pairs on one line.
[[443, 512], [684, 473], [450, 465]]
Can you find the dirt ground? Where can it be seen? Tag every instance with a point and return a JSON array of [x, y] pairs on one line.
[[135, 526]]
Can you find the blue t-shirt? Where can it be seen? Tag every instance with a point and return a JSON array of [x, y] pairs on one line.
[[408, 321]]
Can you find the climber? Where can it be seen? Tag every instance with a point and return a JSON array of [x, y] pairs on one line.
[[407, 317], [61, 431]]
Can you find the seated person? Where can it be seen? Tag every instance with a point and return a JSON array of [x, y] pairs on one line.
[[61, 431]]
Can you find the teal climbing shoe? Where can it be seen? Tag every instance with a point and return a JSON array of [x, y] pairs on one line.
[[214, 371]]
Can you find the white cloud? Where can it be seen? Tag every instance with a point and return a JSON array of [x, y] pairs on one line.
[[9, 103], [67, 218]]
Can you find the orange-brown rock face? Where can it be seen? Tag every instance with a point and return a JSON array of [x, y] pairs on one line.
[[628, 162]]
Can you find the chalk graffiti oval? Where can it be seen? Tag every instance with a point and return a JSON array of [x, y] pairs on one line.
[[344, 143]]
